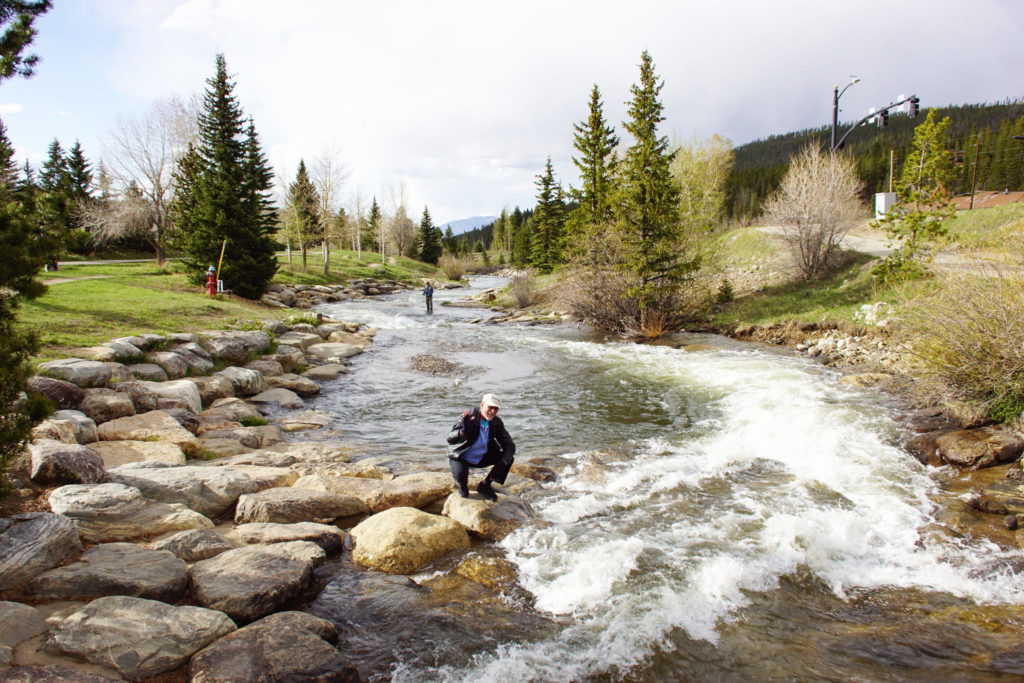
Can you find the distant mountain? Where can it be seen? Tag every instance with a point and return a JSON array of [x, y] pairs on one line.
[[466, 224]]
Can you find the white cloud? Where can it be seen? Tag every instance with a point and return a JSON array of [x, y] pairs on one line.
[[11, 108], [466, 99]]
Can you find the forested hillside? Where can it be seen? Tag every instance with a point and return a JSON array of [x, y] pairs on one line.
[[982, 131]]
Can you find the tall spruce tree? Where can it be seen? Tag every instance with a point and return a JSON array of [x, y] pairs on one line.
[[224, 186], [648, 201], [22, 255], [595, 141], [374, 224], [303, 211], [548, 220], [55, 205], [429, 239]]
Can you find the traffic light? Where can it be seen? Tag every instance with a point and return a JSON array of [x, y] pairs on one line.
[[912, 110], [883, 118]]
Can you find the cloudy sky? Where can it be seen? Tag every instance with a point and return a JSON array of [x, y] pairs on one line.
[[463, 101]]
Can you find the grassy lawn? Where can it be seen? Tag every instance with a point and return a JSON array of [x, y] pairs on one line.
[[135, 298], [987, 229]]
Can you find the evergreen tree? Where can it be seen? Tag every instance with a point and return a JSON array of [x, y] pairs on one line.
[[546, 240], [303, 211], [595, 141], [648, 202], [923, 202], [430, 244], [79, 174], [223, 196], [374, 223], [450, 242], [55, 205], [22, 252]]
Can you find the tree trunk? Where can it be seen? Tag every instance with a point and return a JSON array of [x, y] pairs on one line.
[[327, 258]]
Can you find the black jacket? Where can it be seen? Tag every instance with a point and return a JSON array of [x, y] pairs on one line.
[[465, 432]]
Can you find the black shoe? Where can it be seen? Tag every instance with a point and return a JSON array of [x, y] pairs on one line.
[[464, 491], [485, 490]]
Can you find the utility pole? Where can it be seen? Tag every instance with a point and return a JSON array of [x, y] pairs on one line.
[[974, 171]]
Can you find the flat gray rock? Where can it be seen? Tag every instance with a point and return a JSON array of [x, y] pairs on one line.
[[248, 583], [287, 505], [282, 397], [137, 638], [115, 512], [113, 569], [330, 538], [81, 373], [33, 542], [19, 622], [210, 491], [287, 646], [194, 545], [244, 382], [303, 386]]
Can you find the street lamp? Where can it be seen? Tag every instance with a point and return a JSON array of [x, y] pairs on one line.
[[836, 94]]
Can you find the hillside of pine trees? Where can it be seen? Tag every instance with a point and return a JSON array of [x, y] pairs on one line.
[[978, 131]]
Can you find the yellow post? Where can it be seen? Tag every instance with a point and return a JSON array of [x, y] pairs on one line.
[[221, 259]]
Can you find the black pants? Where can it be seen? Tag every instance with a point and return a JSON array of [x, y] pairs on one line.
[[430, 304], [460, 469]]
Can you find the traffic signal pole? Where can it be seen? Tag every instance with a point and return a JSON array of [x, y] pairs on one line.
[[882, 113]]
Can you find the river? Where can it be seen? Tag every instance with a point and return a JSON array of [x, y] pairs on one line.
[[728, 512]]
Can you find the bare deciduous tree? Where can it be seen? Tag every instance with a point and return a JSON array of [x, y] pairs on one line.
[[140, 156], [329, 175], [401, 230], [816, 205]]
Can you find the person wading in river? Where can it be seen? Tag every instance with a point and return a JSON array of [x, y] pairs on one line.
[[428, 294], [479, 439]]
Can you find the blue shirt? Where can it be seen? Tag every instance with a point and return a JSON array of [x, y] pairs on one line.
[[478, 450]]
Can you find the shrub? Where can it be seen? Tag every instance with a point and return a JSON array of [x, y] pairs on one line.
[[455, 267], [967, 340], [524, 290]]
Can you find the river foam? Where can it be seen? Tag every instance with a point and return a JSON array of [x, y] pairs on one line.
[[782, 471]]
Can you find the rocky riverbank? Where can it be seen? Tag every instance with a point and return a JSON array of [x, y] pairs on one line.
[[168, 522]]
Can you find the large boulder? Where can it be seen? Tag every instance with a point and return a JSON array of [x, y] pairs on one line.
[[248, 583], [287, 646], [300, 340], [194, 545], [83, 426], [277, 397], [331, 351], [195, 356], [210, 491], [303, 420], [288, 356], [287, 505], [82, 373], [410, 490], [179, 389], [55, 462], [229, 410], [124, 350], [255, 341], [265, 476], [212, 388], [116, 453], [148, 372], [244, 382], [103, 405], [982, 447], [303, 386], [230, 349], [155, 425], [173, 364], [18, 623], [402, 540], [330, 538], [33, 542], [113, 569], [267, 368], [136, 637], [55, 430], [103, 354], [250, 437], [115, 512], [65, 395], [491, 520], [141, 393], [343, 337]]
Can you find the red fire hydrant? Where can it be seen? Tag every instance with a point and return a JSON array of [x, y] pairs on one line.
[[211, 281]]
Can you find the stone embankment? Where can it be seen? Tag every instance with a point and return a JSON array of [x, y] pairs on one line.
[[170, 526], [308, 296]]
